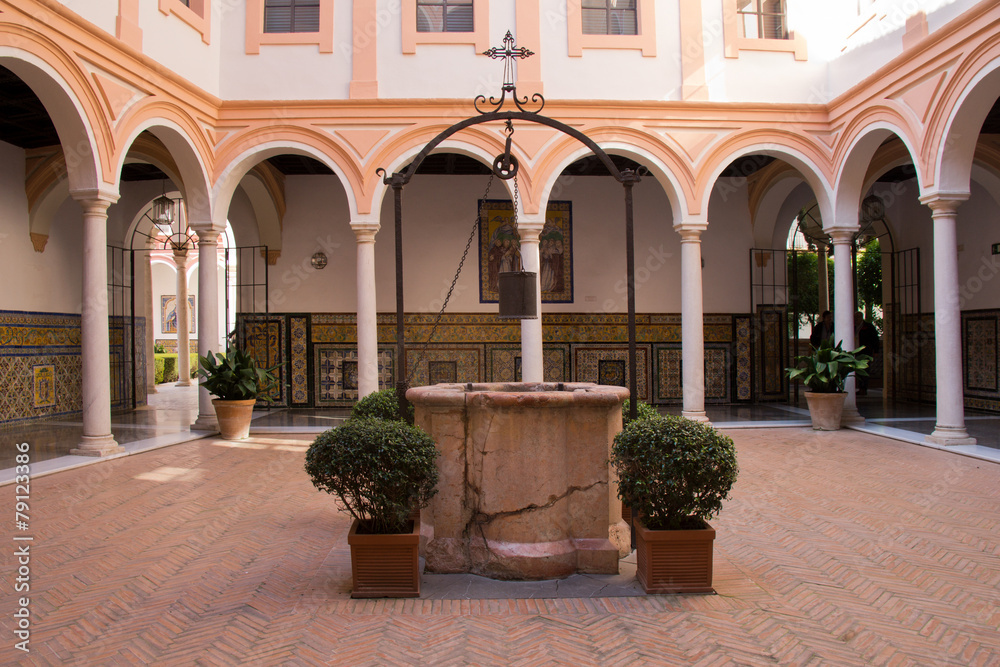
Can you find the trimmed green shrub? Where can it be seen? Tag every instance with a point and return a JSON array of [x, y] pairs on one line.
[[380, 469], [169, 367], [642, 411], [158, 365], [380, 404], [673, 472]]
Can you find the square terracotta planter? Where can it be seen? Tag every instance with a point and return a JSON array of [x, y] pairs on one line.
[[385, 566], [674, 561]]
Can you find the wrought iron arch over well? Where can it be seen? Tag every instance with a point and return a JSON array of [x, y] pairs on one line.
[[505, 166]]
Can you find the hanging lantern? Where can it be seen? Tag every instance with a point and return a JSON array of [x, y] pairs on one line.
[[162, 214], [518, 295]]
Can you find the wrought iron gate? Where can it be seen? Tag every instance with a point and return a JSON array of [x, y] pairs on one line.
[[126, 333], [909, 332], [256, 331]]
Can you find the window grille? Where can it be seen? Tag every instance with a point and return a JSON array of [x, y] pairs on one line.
[[610, 17], [291, 15], [444, 16], [762, 19]]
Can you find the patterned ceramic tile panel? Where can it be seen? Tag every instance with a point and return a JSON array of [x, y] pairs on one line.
[[503, 363], [587, 364], [744, 351], [468, 360], [264, 337], [30, 341], [981, 354], [336, 374], [299, 359], [668, 371]]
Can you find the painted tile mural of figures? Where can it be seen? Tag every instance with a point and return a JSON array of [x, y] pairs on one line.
[[168, 314], [499, 250]]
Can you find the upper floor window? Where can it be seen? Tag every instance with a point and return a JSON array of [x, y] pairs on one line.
[[291, 15], [610, 17], [762, 19], [444, 16]]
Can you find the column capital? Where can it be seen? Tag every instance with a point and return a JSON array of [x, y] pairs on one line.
[[95, 200], [944, 203], [530, 231], [841, 235], [205, 229], [364, 232], [691, 232], [181, 255], [208, 236]]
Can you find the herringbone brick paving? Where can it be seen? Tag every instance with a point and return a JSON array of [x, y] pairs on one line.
[[835, 549]]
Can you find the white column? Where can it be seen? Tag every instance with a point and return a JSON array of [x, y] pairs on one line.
[[95, 355], [183, 319], [147, 270], [367, 309], [822, 279], [692, 324], [208, 316], [843, 311], [950, 427], [532, 359]]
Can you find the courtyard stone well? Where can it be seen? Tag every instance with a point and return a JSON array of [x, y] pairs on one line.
[[525, 488]]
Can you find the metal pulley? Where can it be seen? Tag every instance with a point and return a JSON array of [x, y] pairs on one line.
[[518, 295]]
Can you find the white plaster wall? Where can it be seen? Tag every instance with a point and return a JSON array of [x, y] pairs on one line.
[[179, 47], [49, 281], [164, 283], [439, 70], [317, 220], [978, 268], [285, 72], [611, 73], [725, 249], [101, 14]]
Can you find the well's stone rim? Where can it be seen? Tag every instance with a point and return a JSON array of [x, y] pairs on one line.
[[518, 394]]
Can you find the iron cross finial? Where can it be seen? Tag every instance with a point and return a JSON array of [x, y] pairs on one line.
[[509, 52]]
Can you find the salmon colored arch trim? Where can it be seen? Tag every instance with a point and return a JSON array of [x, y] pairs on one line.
[[779, 142], [859, 124], [196, 13], [80, 86], [955, 89], [150, 114], [642, 144], [247, 143]]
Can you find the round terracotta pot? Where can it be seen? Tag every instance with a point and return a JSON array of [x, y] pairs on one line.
[[825, 410], [234, 417]]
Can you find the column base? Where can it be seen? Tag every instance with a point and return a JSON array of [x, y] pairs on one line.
[[949, 436], [206, 423], [852, 417], [695, 415], [103, 445], [183, 384], [151, 389]]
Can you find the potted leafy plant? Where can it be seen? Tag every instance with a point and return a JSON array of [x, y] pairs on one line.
[[674, 473], [237, 382], [382, 471], [824, 373]]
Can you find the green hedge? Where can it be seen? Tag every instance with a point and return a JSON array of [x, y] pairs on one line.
[[166, 366]]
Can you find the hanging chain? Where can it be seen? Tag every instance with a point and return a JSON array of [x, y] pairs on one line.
[[454, 281]]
